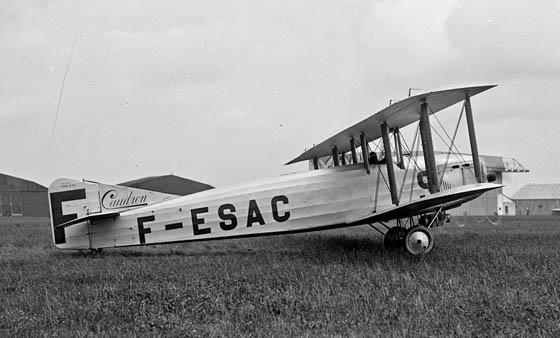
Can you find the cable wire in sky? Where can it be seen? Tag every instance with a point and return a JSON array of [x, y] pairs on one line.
[[59, 101]]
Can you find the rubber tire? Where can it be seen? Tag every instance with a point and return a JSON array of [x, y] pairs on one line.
[[394, 237], [424, 230]]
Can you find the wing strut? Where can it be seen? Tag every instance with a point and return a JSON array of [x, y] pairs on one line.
[[353, 150], [335, 156], [389, 162], [365, 153], [428, 149], [398, 148], [472, 138]]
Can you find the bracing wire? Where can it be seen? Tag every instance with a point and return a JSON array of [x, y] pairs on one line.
[[458, 153], [441, 138], [367, 159], [413, 155], [59, 101], [411, 161], [452, 143], [414, 169]]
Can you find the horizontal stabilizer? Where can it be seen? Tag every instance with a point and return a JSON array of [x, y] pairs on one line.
[[92, 217], [397, 115]]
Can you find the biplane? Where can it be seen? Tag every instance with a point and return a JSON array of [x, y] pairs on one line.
[[348, 183]]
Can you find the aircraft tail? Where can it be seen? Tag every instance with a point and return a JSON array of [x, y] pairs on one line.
[[74, 203]]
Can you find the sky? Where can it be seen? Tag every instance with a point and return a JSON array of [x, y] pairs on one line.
[[228, 91]]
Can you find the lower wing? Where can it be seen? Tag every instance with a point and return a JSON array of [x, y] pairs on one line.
[[445, 199]]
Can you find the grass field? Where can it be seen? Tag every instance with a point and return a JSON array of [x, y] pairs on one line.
[[481, 279]]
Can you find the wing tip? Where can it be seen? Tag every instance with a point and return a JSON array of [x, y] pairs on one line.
[[481, 88], [489, 86], [295, 160]]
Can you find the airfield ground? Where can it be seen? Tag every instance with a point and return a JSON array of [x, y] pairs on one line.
[[481, 279]]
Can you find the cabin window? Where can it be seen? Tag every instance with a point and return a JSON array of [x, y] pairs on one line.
[[506, 209], [540, 206]]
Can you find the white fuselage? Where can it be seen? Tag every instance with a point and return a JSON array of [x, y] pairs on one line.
[[296, 202]]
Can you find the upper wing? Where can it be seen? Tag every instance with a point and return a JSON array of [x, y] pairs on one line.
[[397, 115]]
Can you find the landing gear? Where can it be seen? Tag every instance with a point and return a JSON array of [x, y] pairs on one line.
[[418, 240], [394, 237], [415, 238]]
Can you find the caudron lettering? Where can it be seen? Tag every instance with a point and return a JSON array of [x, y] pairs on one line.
[[112, 200]]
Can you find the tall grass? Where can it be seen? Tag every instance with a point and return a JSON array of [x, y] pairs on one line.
[[481, 279]]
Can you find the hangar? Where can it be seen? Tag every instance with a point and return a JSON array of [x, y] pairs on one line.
[[20, 197], [169, 184], [538, 199], [493, 202]]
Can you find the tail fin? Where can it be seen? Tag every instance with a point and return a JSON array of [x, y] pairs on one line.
[[73, 200]]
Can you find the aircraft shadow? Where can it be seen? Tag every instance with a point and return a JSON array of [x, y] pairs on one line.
[[311, 247]]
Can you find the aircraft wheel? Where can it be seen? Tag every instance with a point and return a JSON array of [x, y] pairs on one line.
[[394, 237], [419, 240]]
